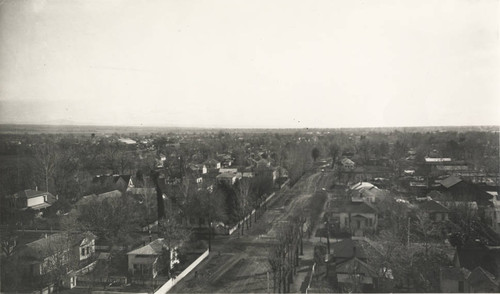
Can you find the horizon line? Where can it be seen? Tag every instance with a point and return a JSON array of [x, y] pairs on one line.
[[242, 128]]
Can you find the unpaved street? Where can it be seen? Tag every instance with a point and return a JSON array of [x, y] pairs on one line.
[[239, 264]]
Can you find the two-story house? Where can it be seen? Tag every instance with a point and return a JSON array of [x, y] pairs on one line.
[[144, 261], [357, 218], [67, 251]]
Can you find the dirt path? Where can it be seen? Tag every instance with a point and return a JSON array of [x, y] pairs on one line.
[[242, 265]]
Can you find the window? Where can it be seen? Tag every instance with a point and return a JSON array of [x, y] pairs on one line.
[[461, 286], [370, 222], [358, 223], [83, 251]]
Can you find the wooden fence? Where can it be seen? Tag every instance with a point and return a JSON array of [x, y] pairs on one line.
[[172, 282]]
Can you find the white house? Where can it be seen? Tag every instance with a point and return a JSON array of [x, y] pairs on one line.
[[347, 163], [33, 199], [143, 261]]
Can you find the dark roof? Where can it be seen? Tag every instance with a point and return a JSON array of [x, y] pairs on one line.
[[480, 275], [345, 249], [355, 265], [103, 178], [51, 244], [435, 194], [355, 207], [454, 273], [473, 254], [29, 193], [450, 181], [432, 206]]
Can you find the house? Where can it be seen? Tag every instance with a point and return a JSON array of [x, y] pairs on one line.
[[493, 212], [144, 261], [357, 218], [435, 211], [347, 164], [115, 194], [461, 280], [349, 265], [142, 194], [474, 254], [364, 191], [56, 251], [120, 182], [33, 199], [228, 170], [213, 164], [228, 178], [198, 168], [482, 281], [455, 189], [453, 279], [127, 141]]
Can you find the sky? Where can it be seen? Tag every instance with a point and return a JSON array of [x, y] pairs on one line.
[[250, 64]]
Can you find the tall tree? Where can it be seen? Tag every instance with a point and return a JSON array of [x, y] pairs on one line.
[[315, 153]]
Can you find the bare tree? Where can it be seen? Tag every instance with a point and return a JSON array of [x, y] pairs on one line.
[[45, 156]]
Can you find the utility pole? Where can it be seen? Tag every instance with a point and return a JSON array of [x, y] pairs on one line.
[[327, 235], [408, 234]]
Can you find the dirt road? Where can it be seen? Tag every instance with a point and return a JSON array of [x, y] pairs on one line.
[[239, 264]]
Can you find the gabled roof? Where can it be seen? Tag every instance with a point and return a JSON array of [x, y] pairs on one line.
[[154, 248], [480, 275], [454, 273], [141, 191], [52, 244], [101, 197], [345, 249], [355, 207], [432, 206], [355, 265], [450, 181], [29, 193], [362, 185], [473, 254], [346, 161]]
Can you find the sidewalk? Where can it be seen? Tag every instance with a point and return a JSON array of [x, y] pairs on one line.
[[305, 264]]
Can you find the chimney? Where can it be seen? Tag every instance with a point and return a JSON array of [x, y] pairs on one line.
[[36, 188]]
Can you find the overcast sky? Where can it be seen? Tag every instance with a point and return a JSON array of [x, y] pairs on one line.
[[269, 63]]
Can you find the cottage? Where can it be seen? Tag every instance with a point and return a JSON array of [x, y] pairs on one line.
[[144, 261], [435, 211], [347, 164], [348, 266], [33, 199]]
